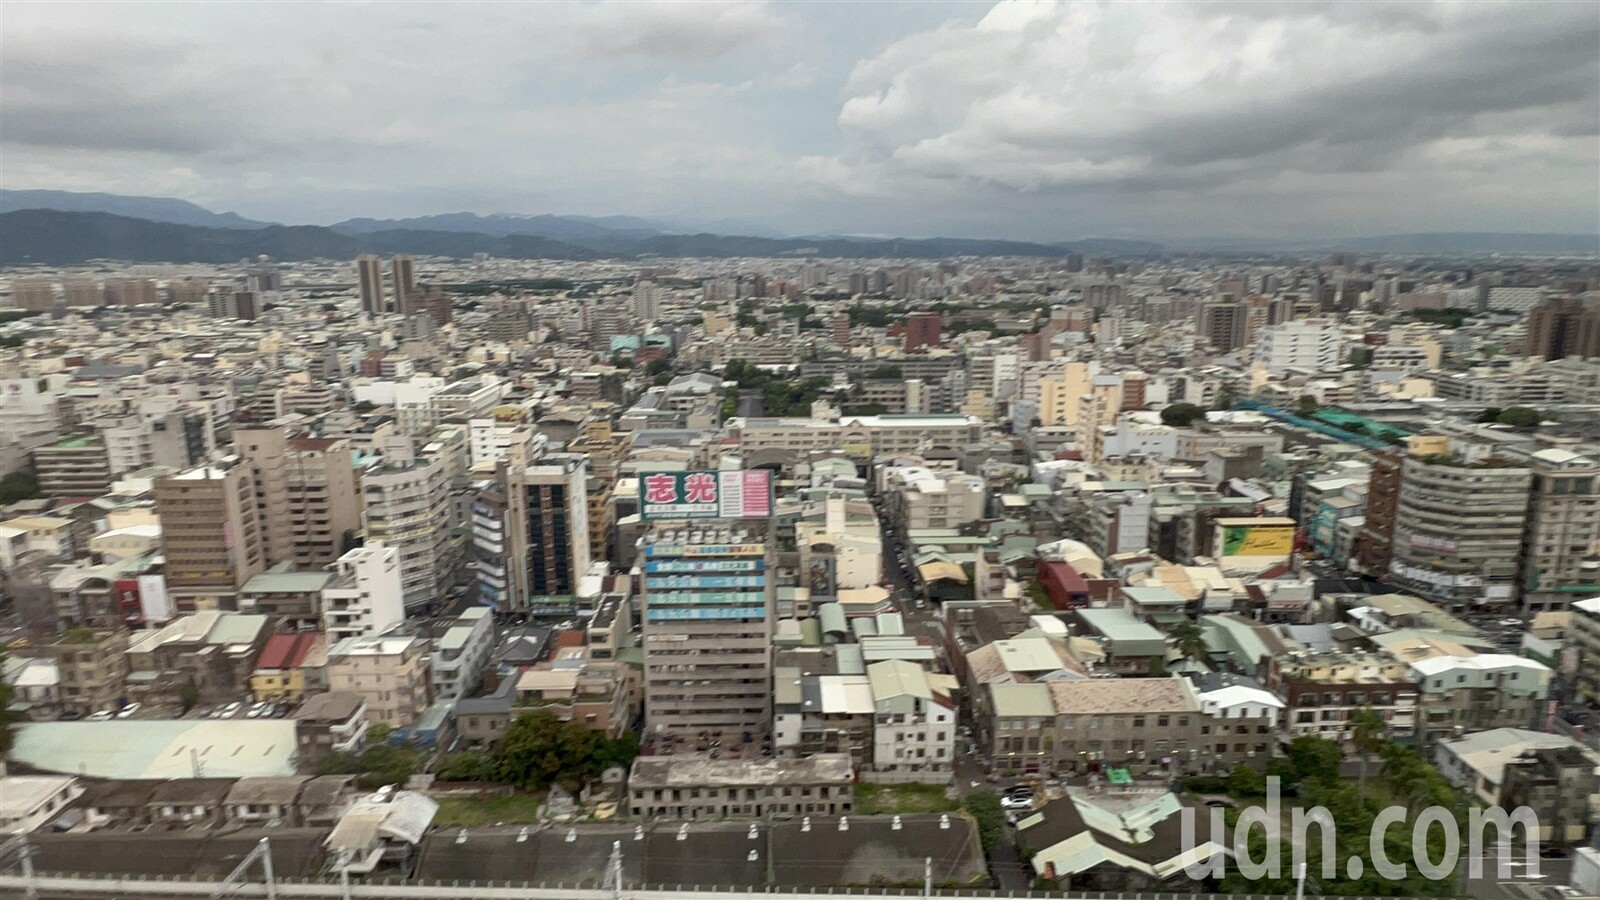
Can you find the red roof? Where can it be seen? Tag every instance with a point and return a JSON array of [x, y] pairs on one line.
[[572, 637], [286, 651]]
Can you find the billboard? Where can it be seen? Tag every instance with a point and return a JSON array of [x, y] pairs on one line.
[[1257, 540], [738, 494]]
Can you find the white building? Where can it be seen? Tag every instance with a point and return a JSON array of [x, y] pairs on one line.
[[1243, 702], [408, 508], [366, 596], [1309, 344], [914, 730], [29, 802], [461, 653]]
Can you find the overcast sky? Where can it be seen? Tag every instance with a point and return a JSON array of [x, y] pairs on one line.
[[1035, 121]]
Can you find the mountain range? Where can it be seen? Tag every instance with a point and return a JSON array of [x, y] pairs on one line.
[[63, 228]]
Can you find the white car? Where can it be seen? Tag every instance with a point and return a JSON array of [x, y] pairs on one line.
[[127, 711], [227, 712], [100, 716], [1017, 800]]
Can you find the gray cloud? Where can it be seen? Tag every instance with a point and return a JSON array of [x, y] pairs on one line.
[[1025, 120]]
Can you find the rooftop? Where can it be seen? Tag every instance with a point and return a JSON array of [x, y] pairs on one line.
[[694, 770]]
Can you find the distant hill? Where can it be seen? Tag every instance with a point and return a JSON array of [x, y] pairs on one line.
[[51, 237], [502, 225], [155, 209], [1420, 244]]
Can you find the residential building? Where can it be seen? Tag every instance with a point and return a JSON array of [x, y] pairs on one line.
[[366, 596], [1459, 695], [1561, 547], [546, 537], [922, 330], [1311, 345], [914, 725], [306, 494], [869, 436], [1224, 323], [212, 535], [1458, 528], [369, 284], [1584, 633], [1559, 785], [93, 667], [389, 673], [1323, 689], [1564, 327], [404, 270], [408, 508], [331, 722], [212, 652], [291, 667], [697, 787], [30, 802], [77, 466], [462, 653]]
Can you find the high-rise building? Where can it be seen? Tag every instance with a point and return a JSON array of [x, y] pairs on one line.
[[1561, 550], [407, 507], [922, 330], [1375, 540], [1562, 328], [708, 606], [83, 291], [1458, 527], [369, 284], [404, 270], [541, 545], [1223, 323], [33, 293], [1312, 345], [839, 326], [306, 494], [211, 534], [228, 303], [646, 300]]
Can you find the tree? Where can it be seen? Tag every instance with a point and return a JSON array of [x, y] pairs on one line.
[[539, 749], [658, 367], [984, 807], [1190, 640], [1181, 415], [18, 485], [1369, 732], [467, 765], [885, 373], [662, 380], [189, 695], [1244, 782], [1306, 407], [1313, 758], [1489, 414], [1519, 417], [379, 734]]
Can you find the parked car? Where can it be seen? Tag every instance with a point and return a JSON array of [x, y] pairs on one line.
[[101, 716], [228, 711], [127, 711], [1013, 801]]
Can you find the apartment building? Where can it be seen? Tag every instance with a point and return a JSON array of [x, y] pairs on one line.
[[1561, 547], [1584, 633], [365, 596], [76, 466], [707, 606], [914, 723], [922, 499], [1323, 689], [1311, 345], [461, 654], [1458, 695], [214, 652], [306, 493], [212, 535], [390, 674], [407, 507], [93, 667], [857, 435], [1458, 528]]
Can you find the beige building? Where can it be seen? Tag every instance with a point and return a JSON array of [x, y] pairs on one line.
[[93, 666], [407, 507], [306, 492], [1561, 550], [858, 435], [211, 534], [389, 673], [692, 786], [1584, 632]]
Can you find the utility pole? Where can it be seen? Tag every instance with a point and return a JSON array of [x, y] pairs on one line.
[[927, 876], [613, 880], [19, 844]]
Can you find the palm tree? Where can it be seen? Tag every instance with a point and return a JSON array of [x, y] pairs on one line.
[[1368, 732], [1190, 640]]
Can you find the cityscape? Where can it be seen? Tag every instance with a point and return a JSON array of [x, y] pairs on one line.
[[718, 551]]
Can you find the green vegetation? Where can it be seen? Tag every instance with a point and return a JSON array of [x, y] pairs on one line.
[[1181, 415], [662, 380], [658, 367], [1310, 771], [8, 716], [1306, 407], [472, 812], [483, 288], [19, 485], [885, 373], [779, 397], [1522, 418], [882, 799], [1189, 640], [539, 750], [960, 326], [984, 807], [376, 766], [872, 316], [80, 634], [864, 409], [1369, 732], [11, 341], [467, 765], [1450, 316]]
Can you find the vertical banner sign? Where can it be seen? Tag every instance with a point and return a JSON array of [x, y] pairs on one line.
[[738, 494]]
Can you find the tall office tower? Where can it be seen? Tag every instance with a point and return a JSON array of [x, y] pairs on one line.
[[1223, 322], [922, 330], [404, 270], [407, 506], [543, 514], [708, 603], [212, 536], [369, 284], [1562, 328], [33, 293], [305, 492]]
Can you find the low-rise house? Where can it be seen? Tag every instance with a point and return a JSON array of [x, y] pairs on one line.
[[1462, 694], [1560, 785], [1132, 646], [119, 803], [484, 720], [334, 722], [93, 668], [266, 801], [290, 667], [323, 800], [1476, 763], [694, 786], [381, 831], [35, 685], [1082, 846], [293, 598], [186, 802], [1323, 689], [214, 652], [30, 802], [914, 726]]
